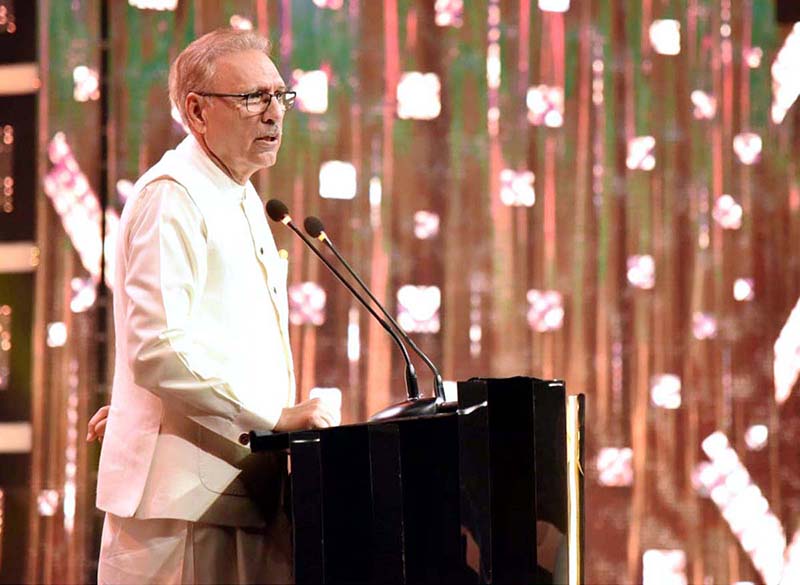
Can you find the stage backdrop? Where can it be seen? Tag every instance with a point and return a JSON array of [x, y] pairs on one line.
[[602, 192]]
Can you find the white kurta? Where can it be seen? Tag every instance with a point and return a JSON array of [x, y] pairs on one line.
[[202, 348]]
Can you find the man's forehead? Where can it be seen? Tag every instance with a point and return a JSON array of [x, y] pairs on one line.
[[248, 69]]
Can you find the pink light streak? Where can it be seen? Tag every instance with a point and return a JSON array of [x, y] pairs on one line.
[[744, 508]]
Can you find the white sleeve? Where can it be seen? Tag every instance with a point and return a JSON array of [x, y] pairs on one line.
[[166, 270]]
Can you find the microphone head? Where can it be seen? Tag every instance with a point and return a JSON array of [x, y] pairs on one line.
[[277, 210], [313, 226]]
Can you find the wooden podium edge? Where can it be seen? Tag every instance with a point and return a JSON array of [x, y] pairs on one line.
[[574, 492]]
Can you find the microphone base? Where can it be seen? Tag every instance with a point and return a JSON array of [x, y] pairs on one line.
[[409, 408]]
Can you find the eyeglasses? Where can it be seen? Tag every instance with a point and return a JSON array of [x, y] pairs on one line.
[[257, 102]]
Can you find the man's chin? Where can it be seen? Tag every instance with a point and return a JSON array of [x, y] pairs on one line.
[[267, 159]]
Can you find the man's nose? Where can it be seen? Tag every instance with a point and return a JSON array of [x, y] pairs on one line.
[[274, 112]]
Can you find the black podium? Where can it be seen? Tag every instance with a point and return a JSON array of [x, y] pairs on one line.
[[456, 497]]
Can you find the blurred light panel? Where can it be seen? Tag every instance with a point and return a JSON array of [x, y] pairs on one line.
[[337, 180], [641, 153], [791, 569], [752, 56], [727, 213], [418, 96], [83, 294], [615, 466], [426, 224], [154, 4], [2, 520], [353, 336], [76, 203], [545, 106], [375, 198], [743, 289], [545, 310], [8, 24], [449, 13], [56, 334], [330, 4], [554, 5], [312, 91], [5, 346], [307, 304], [704, 325], [418, 308], [744, 508], [7, 169], [516, 188], [477, 286], [705, 105], [450, 390], [71, 448], [665, 37], [665, 391], [642, 271], [664, 567], [47, 502], [747, 147], [240, 22], [756, 436], [86, 82], [785, 80], [786, 364], [494, 67]]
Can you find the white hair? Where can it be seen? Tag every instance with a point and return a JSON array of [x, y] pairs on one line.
[[193, 69]]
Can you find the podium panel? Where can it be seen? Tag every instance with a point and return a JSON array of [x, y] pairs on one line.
[[475, 494]]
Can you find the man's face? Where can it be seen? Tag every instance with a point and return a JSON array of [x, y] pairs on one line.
[[242, 140]]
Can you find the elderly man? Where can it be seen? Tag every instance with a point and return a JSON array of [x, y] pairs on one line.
[[202, 347]]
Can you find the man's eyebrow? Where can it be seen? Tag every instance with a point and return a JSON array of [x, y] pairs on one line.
[[277, 87]]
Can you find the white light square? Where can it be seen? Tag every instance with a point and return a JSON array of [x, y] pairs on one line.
[[664, 567], [545, 310], [418, 308], [337, 180], [641, 153], [747, 147], [307, 304], [56, 334], [642, 271], [665, 391], [449, 13], [312, 91], [553, 5], [418, 96], [615, 466], [516, 188], [426, 224], [665, 36], [545, 106]]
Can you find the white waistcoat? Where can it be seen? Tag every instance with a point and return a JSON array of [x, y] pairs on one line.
[[202, 344]]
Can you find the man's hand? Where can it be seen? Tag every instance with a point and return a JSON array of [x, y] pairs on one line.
[[97, 425], [309, 414]]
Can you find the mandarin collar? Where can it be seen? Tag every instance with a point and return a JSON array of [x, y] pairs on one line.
[[227, 186]]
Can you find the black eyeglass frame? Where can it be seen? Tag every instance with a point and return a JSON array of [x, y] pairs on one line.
[[279, 95]]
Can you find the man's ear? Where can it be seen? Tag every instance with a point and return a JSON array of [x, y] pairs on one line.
[[195, 115]]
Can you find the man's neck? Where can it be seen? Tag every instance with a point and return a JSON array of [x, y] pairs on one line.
[[241, 180]]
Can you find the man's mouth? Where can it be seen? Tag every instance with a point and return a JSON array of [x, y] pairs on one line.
[[269, 138]]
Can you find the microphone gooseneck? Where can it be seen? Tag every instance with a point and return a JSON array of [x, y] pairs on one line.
[[278, 212], [315, 228]]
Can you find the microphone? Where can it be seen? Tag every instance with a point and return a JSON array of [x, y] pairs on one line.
[[315, 229], [278, 212]]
